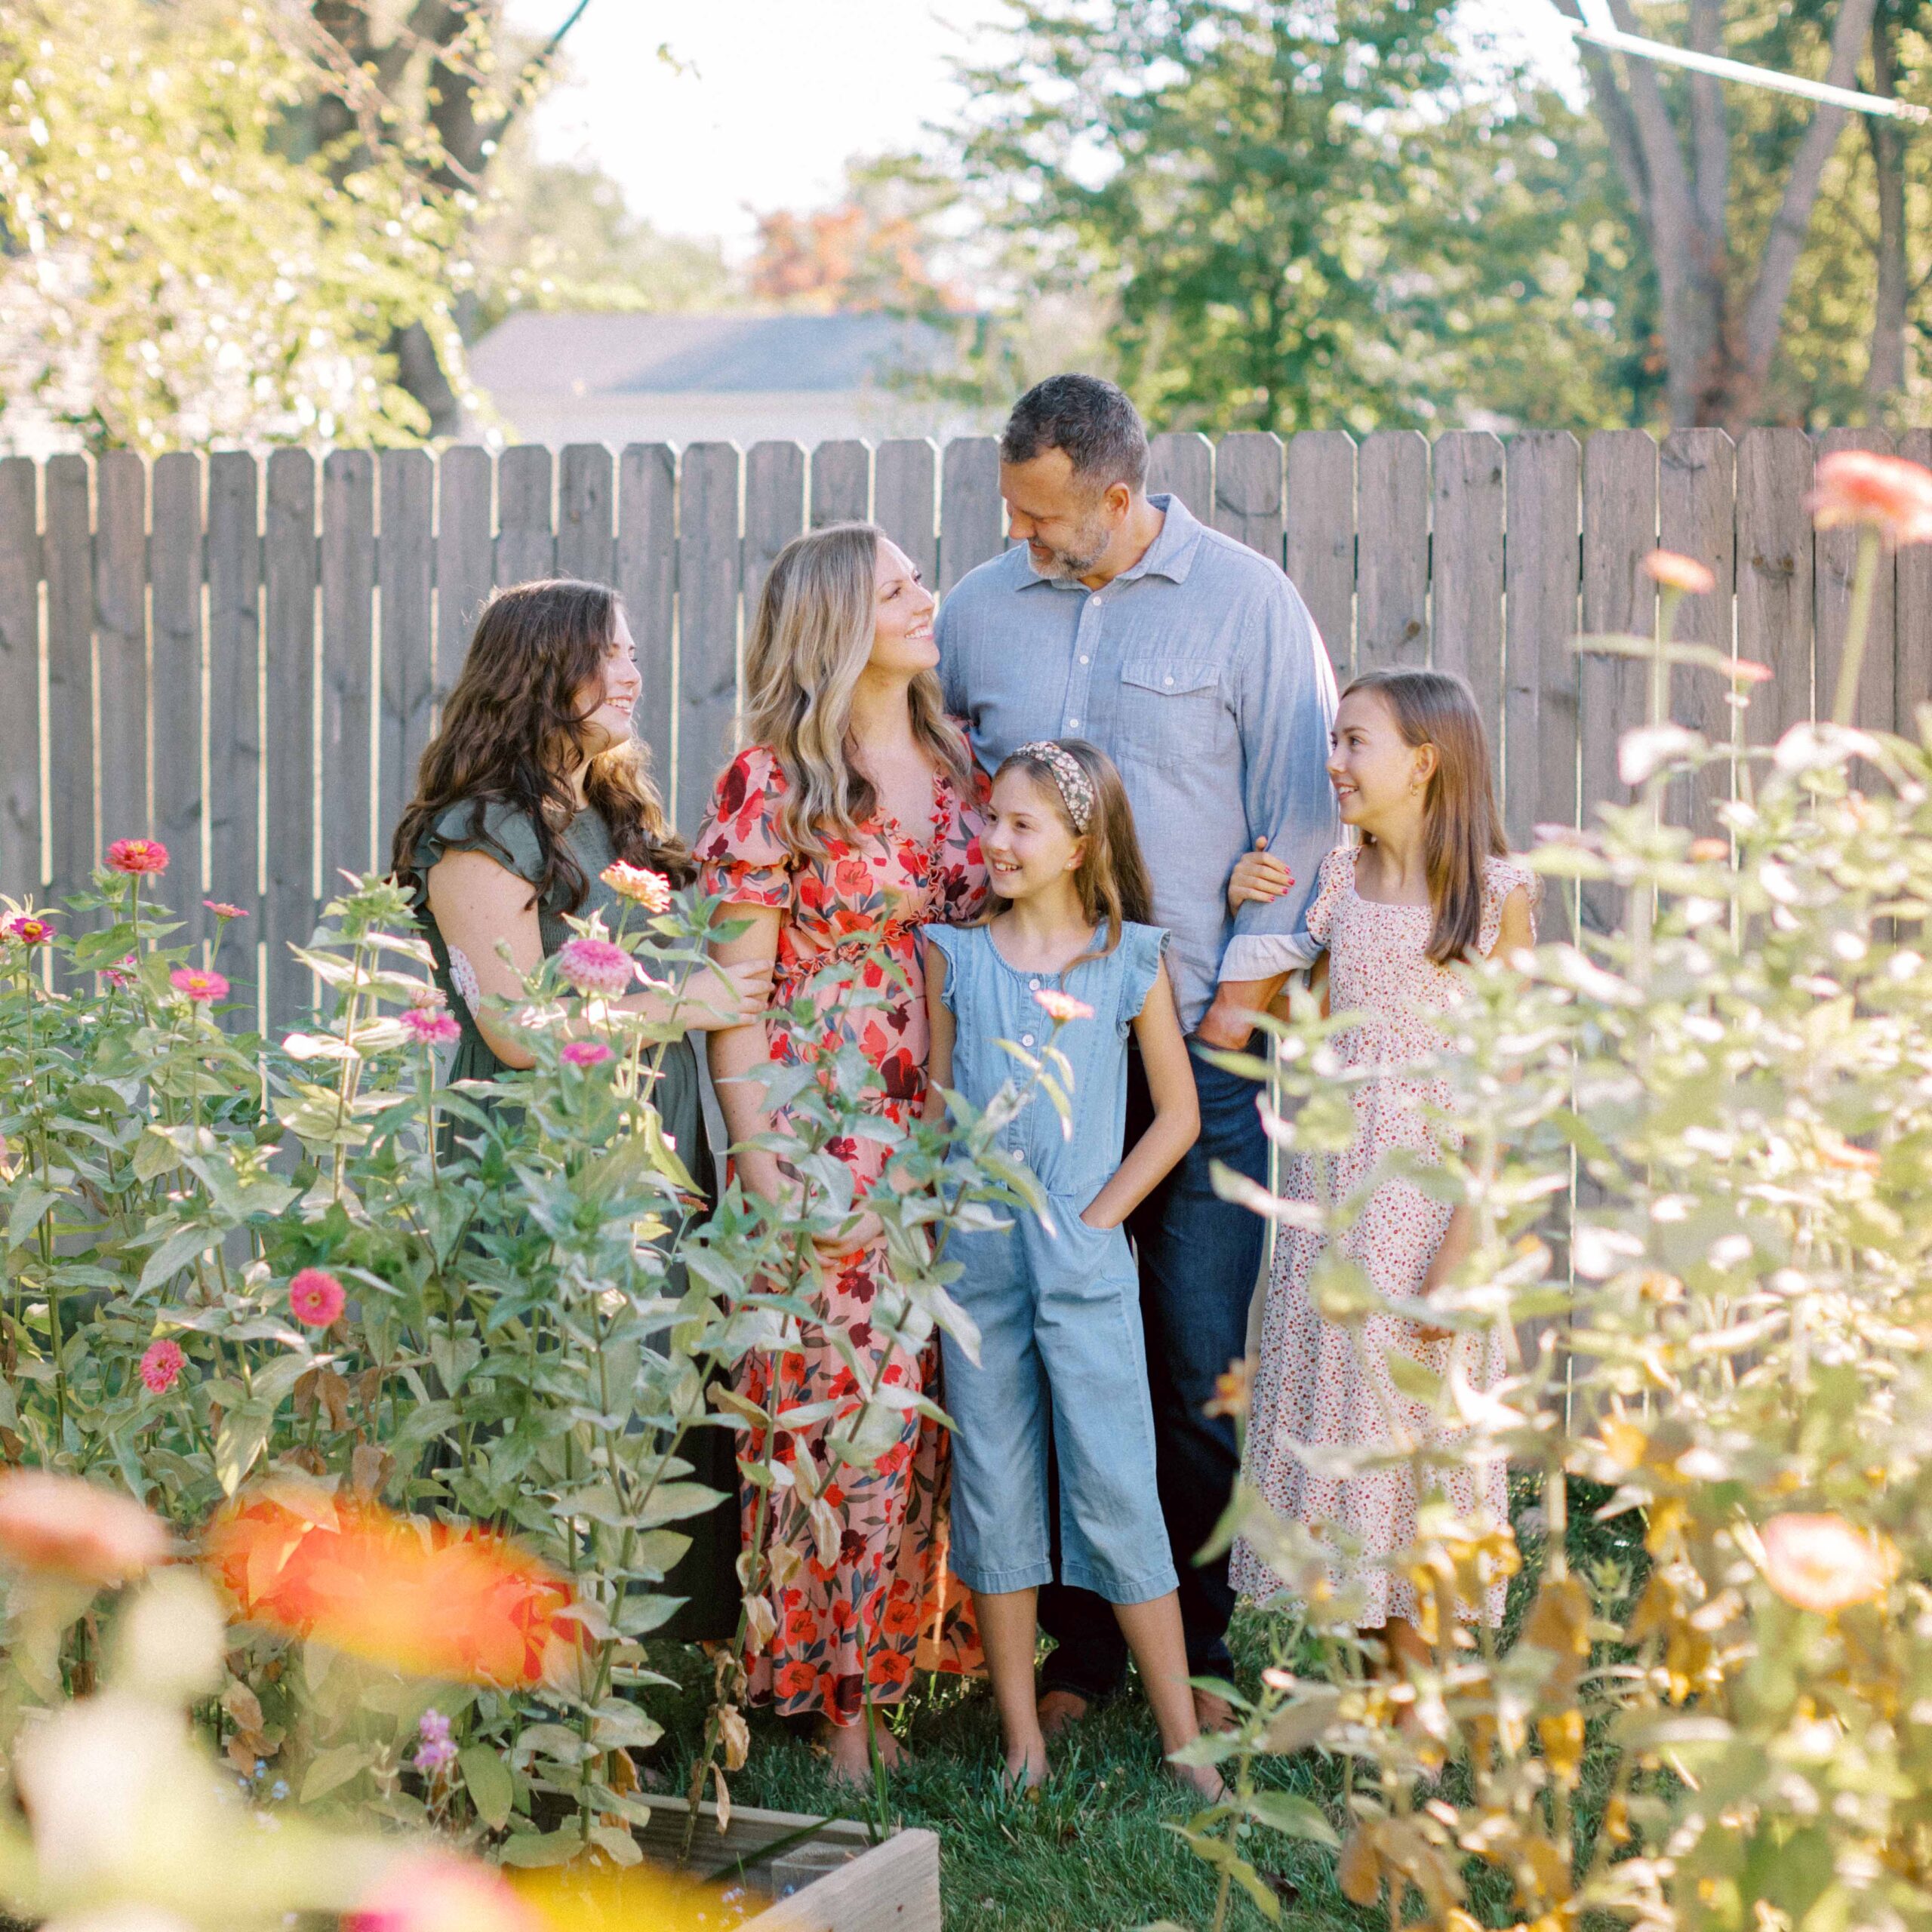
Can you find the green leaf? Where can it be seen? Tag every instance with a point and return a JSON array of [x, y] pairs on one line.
[[492, 1789], [32, 1201], [330, 1769], [1294, 1817], [184, 1245], [241, 1438], [525, 1850]]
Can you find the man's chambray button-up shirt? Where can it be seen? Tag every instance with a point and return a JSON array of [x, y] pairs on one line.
[[1200, 673]]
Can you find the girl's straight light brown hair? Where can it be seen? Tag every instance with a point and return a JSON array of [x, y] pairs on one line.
[[1112, 879], [1462, 828]]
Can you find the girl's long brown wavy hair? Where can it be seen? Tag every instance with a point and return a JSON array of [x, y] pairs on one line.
[[811, 640], [1462, 828], [510, 737], [1111, 878]]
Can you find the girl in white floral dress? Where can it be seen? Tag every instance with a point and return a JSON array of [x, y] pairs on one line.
[[1429, 885]]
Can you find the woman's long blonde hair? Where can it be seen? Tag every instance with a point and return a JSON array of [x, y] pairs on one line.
[[810, 642]]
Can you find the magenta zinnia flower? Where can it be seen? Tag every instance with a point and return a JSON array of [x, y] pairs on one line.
[[595, 965], [433, 1028], [222, 909], [27, 929], [197, 985], [316, 1297], [161, 1366], [585, 1053], [138, 856]]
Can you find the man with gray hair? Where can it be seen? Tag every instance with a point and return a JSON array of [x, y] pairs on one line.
[[1191, 661]]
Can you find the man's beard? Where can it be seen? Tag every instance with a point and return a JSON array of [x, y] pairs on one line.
[[1090, 543]]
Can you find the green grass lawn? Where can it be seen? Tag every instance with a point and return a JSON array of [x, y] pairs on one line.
[[1092, 1853]]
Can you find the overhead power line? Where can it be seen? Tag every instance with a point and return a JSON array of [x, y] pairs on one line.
[[1599, 28]]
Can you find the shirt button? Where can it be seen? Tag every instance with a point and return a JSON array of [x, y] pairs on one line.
[[1026, 1039], [1083, 657], [1167, 681], [1033, 986], [1018, 1157], [1073, 724]]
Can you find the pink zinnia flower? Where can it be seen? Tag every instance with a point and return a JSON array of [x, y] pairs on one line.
[[427, 994], [161, 1366], [1679, 572], [138, 856], [1822, 1564], [430, 1891], [198, 985], [1063, 1007], [595, 965], [1749, 671], [652, 890], [27, 929], [1881, 493], [432, 1028], [316, 1297], [222, 909], [585, 1053], [70, 1528], [120, 974]]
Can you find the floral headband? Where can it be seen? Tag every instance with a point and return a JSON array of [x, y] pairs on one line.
[[1076, 787]]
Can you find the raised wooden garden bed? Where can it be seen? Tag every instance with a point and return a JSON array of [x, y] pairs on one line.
[[833, 1879]]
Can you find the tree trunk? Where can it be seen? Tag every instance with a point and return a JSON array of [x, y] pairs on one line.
[[1884, 376]]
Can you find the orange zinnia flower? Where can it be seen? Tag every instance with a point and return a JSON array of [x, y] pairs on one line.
[[61, 1525], [1882, 493], [421, 1597], [1679, 572]]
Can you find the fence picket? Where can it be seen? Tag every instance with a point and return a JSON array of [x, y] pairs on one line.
[[1543, 484], [972, 520], [67, 558], [176, 515], [584, 513], [1697, 517], [1181, 463], [775, 512], [235, 673], [842, 483], [120, 644], [707, 623], [1620, 531], [349, 590], [464, 556], [1392, 586], [1247, 489], [406, 480], [1913, 612], [1318, 540], [288, 676], [905, 499], [526, 547], [1774, 619], [1466, 600], [646, 578], [20, 678], [1834, 555]]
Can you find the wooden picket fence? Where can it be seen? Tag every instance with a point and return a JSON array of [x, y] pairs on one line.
[[244, 658]]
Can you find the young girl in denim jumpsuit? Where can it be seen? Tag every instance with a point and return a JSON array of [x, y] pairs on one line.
[[1066, 954]]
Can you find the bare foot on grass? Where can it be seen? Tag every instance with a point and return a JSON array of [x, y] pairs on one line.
[[847, 1746], [1059, 1710]]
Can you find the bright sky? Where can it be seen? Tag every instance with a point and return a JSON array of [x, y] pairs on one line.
[[774, 94]]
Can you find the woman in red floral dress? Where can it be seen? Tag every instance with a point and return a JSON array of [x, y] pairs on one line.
[[851, 820]]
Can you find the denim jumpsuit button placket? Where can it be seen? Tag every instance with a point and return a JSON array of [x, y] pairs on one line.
[[1063, 1363]]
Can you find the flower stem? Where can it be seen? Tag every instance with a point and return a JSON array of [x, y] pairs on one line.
[[1858, 625]]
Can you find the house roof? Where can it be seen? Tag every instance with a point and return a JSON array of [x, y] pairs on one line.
[[629, 354]]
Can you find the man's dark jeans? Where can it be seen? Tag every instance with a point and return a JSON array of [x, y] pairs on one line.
[[1199, 1255]]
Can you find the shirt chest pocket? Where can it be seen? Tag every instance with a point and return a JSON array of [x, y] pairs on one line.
[[1172, 707]]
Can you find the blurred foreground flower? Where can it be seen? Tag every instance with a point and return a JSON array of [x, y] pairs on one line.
[[431, 1026], [1881, 493], [1673, 572], [585, 1053], [432, 1892], [62, 1527], [1822, 1564], [419, 1596], [596, 966], [1062, 1006]]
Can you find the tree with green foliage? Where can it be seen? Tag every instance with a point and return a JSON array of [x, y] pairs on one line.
[[1346, 216]]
